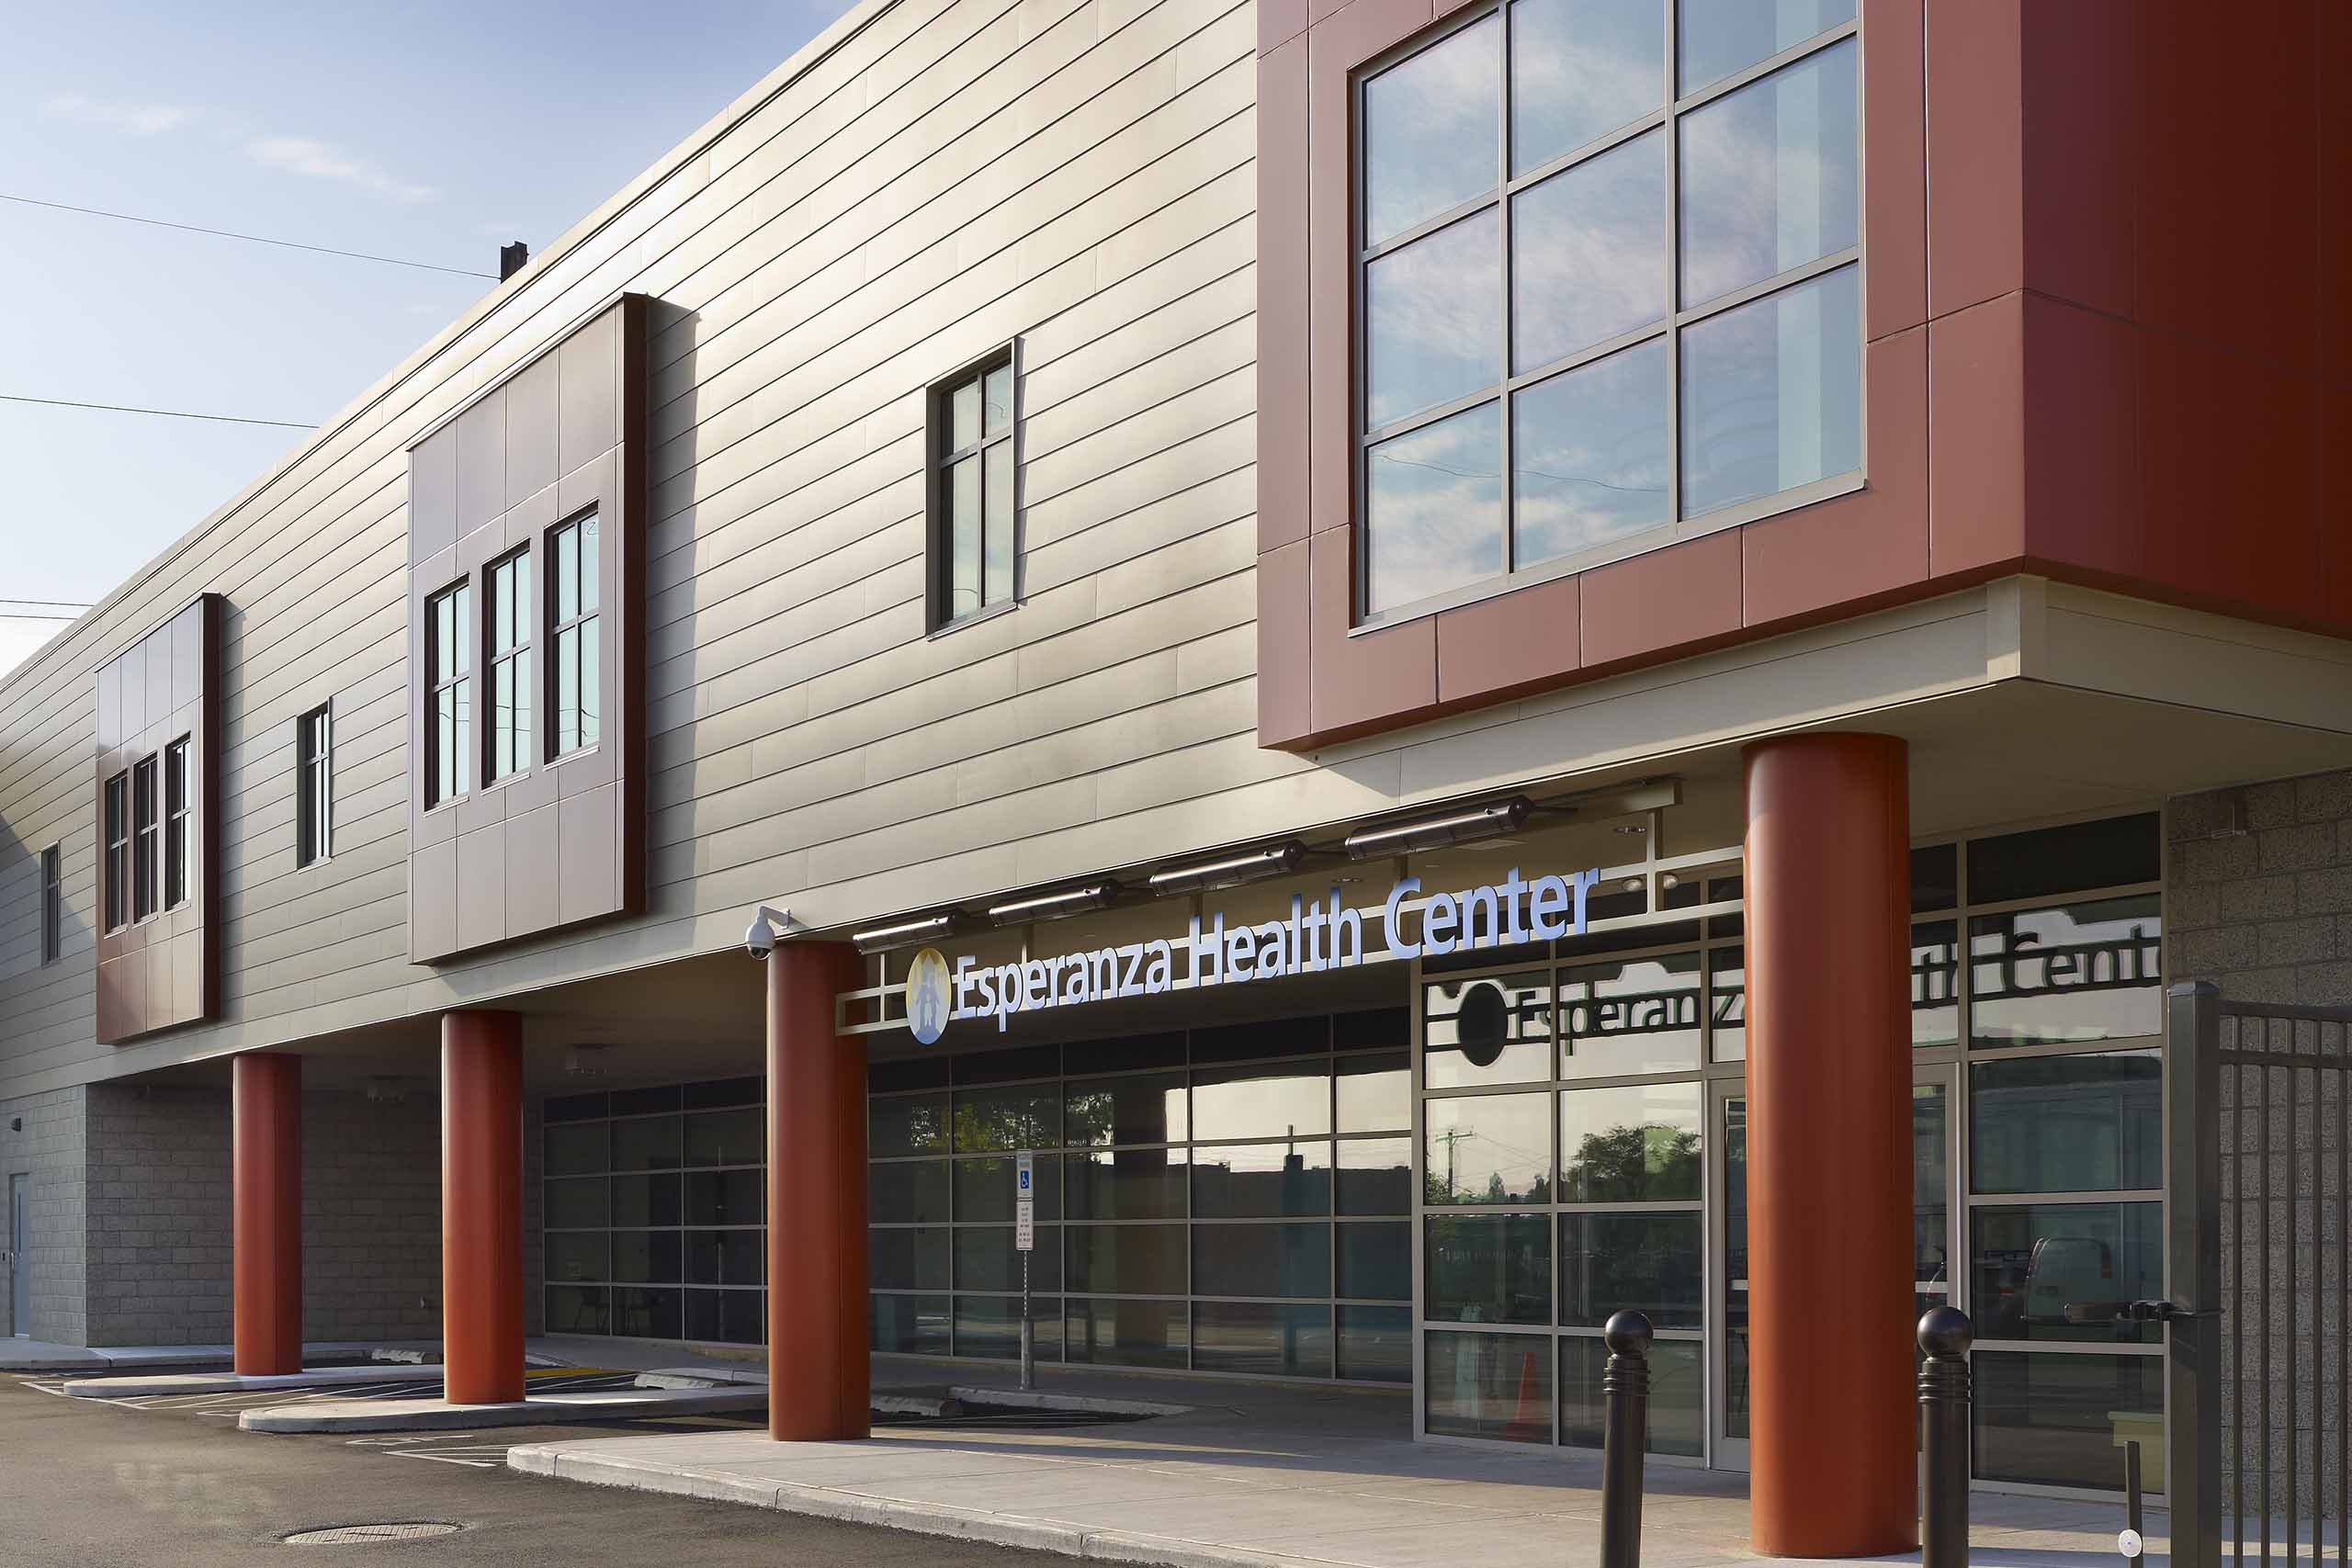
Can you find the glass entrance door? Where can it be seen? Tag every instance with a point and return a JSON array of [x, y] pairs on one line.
[[1931, 1210]]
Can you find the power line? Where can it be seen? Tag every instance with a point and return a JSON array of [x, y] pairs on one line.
[[21, 616], [256, 239], [164, 413]]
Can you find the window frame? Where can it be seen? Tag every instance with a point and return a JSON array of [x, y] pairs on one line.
[[464, 631], [146, 837], [115, 862], [1669, 327], [939, 458], [511, 659], [314, 785], [178, 817], [52, 904], [590, 674]]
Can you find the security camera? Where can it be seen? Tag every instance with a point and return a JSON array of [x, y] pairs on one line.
[[760, 940]]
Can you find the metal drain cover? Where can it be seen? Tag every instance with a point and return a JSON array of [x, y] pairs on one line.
[[344, 1535]]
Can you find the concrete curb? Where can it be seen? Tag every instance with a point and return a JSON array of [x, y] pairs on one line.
[[541, 1410], [135, 1386], [919, 1519], [24, 1356], [923, 1404], [1039, 1400]]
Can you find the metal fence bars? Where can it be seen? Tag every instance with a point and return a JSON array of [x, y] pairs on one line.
[[2260, 1168]]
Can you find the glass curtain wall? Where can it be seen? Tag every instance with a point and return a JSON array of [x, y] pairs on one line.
[[1231, 1200]]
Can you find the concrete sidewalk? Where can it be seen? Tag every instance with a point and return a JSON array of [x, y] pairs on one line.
[[1269, 1478], [40, 1356]]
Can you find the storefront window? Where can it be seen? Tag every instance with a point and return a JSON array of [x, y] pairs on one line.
[[1637, 1015], [1613, 1262], [1489, 1385], [1489, 1269], [2074, 1123], [1492, 1148], [2060, 1420], [1638, 1144], [1678, 1395], [2070, 975], [1487, 1032]]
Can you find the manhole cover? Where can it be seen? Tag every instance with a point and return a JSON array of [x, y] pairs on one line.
[[342, 1535]]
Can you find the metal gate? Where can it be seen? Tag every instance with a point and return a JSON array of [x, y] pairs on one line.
[[2260, 1177]]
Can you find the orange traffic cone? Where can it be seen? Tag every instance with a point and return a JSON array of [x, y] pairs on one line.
[[1533, 1422]]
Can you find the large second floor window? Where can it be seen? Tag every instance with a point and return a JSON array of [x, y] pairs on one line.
[[571, 634], [972, 433], [146, 834], [510, 665], [313, 785], [176, 839], [449, 724], [118, 848], [1609, 286]]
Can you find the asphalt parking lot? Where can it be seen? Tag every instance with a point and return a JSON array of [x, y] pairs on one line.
[[172, 1481]]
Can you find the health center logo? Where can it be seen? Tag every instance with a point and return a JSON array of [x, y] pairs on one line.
[[927, 996]]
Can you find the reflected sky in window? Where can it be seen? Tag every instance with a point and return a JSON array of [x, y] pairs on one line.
[[1588, 455], [1429, 131], [1433, 509]]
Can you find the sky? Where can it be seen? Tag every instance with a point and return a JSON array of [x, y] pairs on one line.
[[433, 130]]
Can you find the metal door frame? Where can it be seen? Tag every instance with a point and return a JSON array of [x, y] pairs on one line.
[[20, 1225]]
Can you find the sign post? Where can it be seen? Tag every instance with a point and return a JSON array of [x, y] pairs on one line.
[[1024, 1238]]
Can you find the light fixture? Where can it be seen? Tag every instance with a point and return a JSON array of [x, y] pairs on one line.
[[1631, 884], [1230, 871], [1669, 881], [1488, 821], [906, 933], [1054, 906], [585, 1061]]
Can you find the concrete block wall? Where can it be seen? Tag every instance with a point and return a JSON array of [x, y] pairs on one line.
[[44, 1136], [2258, 890], [158, 1234], [371, 1217]]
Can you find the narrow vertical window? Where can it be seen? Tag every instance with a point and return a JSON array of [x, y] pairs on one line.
[[313, 786], [510, 666], [175, 823], [118, 866], [572, 634], [449, 728], [972, 432], [52, 905], [146, 831]]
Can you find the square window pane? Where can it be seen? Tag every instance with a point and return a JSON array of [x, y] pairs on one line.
[[581, 1203], [1265, 1338], [989, 1327], [1375, 1261], [724, 1197], [1141, 1260], [648, 1315], [964, 535], [1769, 176], [2067, 1124], [910, 1124], [1635, 1015], [1433, 509], [1649, 1263], [1588, 461], [724, 1257], [1261, 1261], [1128, 1184], [2063, 1270], [986, 1260], [1376, 1176], [1125, 1333], [1375, 1093], [725, 1137], [649, 1257], [965, 421], [1638, 1144], [911, 1326], [726, 1317], [984, 1188], [645, 1199], [1720, 37], [1495, 1149], [996, 574], [1288, 1099], [579, 1309], [1578, 70], [998, 396], [578, 1254], [1025, 1118], [1489, 1385], [1376, 1344], [1489, 1269], [2056, 1420], [1589, 253], [907, 1191], [579, 1148], [648, 1143], [1250, 1181], [1678, 1403], [1497, 1030], [1147, 1110], [1431, 136], [2077, 972], [1772, 393], [1935, 983], [900, 1259], [1432, 314]]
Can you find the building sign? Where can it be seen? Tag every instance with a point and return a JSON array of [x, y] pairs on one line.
[[1315, 938]]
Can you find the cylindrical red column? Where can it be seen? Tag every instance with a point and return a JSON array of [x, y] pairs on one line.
[[265, 1221], [1831, 1415], [818, 1382], [482, 1206]]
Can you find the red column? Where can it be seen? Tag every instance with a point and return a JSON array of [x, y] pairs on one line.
[[1832, 1406], [482, 1206], [817, 1385], [265, 1224]]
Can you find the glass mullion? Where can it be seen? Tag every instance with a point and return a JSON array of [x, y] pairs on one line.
[[1506, 272], [1673, 127]]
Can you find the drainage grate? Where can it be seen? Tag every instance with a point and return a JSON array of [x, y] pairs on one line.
[[343, 1535]]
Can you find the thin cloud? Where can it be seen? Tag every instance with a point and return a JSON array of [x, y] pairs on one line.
[[324, 161], [138, 119]]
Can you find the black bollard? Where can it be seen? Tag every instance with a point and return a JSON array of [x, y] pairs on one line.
[[1626, 1388], [1945, 1335]]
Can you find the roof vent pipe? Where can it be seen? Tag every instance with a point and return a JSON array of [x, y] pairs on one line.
[[512, 259]]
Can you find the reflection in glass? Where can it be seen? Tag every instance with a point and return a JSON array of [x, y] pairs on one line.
[[1769, 176], [1651, 1263], [907, 1192], [911, 1326], [986, 1260], [724, 1198], [1429, 131], [1126, 1111], [2067, 1124], [1124, 1334], [645, 1201], [1935, 983], [1268, 1339], [1639, 1015], [1433, 509], [725, 1137], [1930, 1194], [1027, 1117], [579, 1256], [1278, 1101], [1496, 1030], [1128, 1184], [1376, 1176], [1772, 393], [1146, 1260], [1250, 1181], [1578, 70], [647, 1314], [1261, 1261], [646, 1257], [1734, 1289], [2079, 972], [1495, 1149], [1375, 1261], [1489, 1385], [2055, 1420], [1720, 37], [1376, 1344], [1727, 1002], [725, 1257], [912, 1124], [2063, 1270], [1588, 461], [1489, 1269], [1678, 1395], [572, 1204], [1375, 1093], [575, 1309], [2046, 860], [726, 1317], [990, 1327], [1432, 314], [650, 1143], [984, 1187], [1637, 1143], [578, 1150], [1589, 253]]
